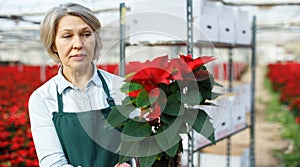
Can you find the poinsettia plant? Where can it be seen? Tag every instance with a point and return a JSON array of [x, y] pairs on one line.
[[166, 93]]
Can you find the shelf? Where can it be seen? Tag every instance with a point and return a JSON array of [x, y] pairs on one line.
[[225, 137], [184, 43]]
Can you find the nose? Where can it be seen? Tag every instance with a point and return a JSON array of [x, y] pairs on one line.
[[77, 42]]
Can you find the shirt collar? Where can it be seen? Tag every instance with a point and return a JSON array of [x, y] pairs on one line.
[[63, 83]]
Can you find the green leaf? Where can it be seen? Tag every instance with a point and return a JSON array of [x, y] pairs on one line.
[[118, 115], [173, 107], [203, 126], [143, 99], [200, 122], [150, 151], [130, 86], [206, 84], [168, 137], [209, 104], [217, 84], [206, 94], [128, 101], [174, 87], [136, 131], [123, 159], [128, 150], [164, 88], [147, 161], [167, 119], [192, 97], [173, 150], [214, 95], [183, 128]]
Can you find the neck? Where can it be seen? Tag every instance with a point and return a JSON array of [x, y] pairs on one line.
[[78, 77]]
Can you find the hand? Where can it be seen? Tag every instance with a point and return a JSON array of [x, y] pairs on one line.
[[122, 165]]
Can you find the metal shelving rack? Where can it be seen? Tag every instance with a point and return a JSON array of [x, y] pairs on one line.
[[199, 44], [230, 47]]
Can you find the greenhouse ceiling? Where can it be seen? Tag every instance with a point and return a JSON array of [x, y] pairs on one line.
[[21, 20]]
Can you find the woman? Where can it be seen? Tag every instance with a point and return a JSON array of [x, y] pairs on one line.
[[68, 111]]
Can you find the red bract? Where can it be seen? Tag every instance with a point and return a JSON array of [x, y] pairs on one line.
[[162, 71], [195, 63], [150, 76], [297, 119], [135, 66], [155, 113], [150, 72], [179, 69], [187, 68]]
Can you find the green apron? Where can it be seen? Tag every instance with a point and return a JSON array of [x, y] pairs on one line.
[[80, 134]]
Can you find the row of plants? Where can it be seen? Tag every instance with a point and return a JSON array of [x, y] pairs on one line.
[[285, 80], [16, 85], [220, 71], [283, 111]]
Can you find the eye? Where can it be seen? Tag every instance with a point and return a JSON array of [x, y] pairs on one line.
[[67, 36], [86, 34]]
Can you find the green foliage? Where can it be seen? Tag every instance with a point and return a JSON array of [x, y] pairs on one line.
[[278, 112]]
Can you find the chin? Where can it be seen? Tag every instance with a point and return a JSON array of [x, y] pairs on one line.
[[80, 65]]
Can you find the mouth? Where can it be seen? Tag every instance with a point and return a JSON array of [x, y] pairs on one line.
[[77, 57]]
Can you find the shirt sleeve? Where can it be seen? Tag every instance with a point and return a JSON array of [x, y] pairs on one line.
[[47, 144]]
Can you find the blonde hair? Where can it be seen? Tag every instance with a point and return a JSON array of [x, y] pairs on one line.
[[49, 26]]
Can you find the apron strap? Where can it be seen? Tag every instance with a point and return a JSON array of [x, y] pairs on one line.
[[109, 99], [59, 100]]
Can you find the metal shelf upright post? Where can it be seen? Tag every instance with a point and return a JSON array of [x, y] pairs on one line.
[[252, 110], [190, 44], [189, 16]]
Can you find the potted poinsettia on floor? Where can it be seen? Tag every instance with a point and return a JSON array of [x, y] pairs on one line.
[[166, 93]]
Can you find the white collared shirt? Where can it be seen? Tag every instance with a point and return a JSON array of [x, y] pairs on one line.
[[43, 102]]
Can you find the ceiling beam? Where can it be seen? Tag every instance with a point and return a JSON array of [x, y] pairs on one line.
[[259, 4]]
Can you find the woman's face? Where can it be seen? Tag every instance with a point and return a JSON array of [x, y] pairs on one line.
[[74, 42]]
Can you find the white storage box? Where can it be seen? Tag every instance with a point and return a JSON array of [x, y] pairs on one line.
[[162, 21], [217, 157], [155, 27], [209, 22], [238, 113], [223, 120], [199, 141], [242, 27], [244, 91], [226, 24], [217, 160]]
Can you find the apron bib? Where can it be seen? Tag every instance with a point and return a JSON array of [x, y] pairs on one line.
[[81, 133]]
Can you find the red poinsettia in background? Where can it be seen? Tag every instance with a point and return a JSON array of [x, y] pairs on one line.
[[16, 84], [285, 79]]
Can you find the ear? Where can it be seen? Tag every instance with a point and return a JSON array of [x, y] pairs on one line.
[[53, 47]]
